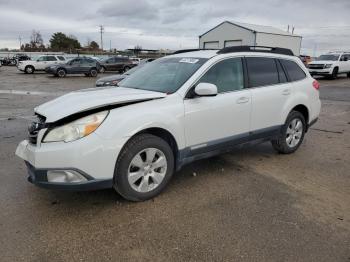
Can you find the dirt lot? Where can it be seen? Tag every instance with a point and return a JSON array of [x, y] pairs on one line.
[[248, 205]]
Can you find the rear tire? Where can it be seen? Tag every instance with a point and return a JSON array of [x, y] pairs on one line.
[[291, 135], [29, 70], [144, 168], [61, 72]]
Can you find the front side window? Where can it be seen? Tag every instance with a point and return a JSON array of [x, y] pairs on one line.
[[164, 75], [344, 58], [262, 71], [42, 58], [227, 75], [294, 71]]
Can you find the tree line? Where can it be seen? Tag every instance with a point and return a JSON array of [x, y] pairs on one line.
[[59, 42]]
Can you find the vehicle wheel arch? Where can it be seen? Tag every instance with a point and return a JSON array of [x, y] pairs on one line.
[[303, 110], [162, 133]]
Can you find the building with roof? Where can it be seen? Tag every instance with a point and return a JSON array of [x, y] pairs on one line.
[[235, 34]]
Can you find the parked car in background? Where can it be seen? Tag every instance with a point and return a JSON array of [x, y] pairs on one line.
[[306, 59], [135, 60], [42, 62], [79, 65], [113, 80], [331, 65], [173, 111], [116, 63]]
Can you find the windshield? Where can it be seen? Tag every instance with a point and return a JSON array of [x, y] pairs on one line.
[[329, 57], [164, 75]]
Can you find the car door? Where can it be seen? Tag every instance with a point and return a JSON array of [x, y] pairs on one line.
[[75, 66], [270, 93], [41, 63], [218, 121], [51, 60], [344, 63]]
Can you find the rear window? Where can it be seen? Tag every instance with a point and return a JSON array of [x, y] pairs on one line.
[[294, 71], [262, 71]]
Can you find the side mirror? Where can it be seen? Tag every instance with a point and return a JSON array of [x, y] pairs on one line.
[[206, 89]]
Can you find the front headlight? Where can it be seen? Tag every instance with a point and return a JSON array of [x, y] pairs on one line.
[[327, 65], [76, 129]]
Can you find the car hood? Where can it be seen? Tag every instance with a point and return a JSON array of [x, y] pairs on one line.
[[110, 78], [92, 98], [319, 62]]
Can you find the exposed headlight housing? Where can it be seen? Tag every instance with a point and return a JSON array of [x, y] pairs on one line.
[[76, 129], [327, 65]]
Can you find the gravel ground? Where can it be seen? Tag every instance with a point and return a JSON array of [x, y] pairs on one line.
[[249, 205]]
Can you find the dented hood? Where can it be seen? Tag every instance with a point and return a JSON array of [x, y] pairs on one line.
[[93, 98]]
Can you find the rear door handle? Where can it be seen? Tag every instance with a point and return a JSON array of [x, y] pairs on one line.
[[286, 92], [242, 100]]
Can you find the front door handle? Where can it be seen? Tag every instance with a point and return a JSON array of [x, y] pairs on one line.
[[242, 100], [286, 92]]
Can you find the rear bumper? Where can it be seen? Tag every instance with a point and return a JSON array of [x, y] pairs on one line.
[[38, 177]]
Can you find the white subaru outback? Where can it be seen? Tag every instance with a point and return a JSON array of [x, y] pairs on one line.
[[177, 109]]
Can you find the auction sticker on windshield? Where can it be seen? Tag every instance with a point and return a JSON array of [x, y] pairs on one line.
[[189, 60]]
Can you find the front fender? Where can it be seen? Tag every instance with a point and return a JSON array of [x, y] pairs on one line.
[[124, 122]]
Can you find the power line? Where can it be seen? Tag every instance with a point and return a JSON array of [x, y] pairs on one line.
[[101, 32]]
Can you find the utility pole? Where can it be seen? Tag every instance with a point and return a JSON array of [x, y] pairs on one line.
[[101, 32], [110, 45], [20, 42]]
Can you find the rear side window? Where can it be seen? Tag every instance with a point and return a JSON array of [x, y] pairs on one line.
[[61, 58], [51, 58], [262, 71], [227, 75], [294, 71], [281, 74]]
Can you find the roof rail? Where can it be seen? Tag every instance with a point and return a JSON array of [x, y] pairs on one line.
[[265, 49], [189, 50]]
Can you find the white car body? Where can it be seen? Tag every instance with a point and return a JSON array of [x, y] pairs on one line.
[[41, 62], [194, 124], [328, 67]]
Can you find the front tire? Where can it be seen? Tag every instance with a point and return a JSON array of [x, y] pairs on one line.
[[144, 168], [292, 134], [93, 72], [29, 70], [335, 73]]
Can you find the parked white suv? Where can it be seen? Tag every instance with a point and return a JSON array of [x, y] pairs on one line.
[[331, 65], [170, 112], [42, 62]]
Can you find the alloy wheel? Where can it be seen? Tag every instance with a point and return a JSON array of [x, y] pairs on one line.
[[294, 132], [147, 170]]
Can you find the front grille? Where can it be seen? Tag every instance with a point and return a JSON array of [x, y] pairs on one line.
[[316, 66], [34, 128]]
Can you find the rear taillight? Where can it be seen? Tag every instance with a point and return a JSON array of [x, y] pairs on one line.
[[316, 84]]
